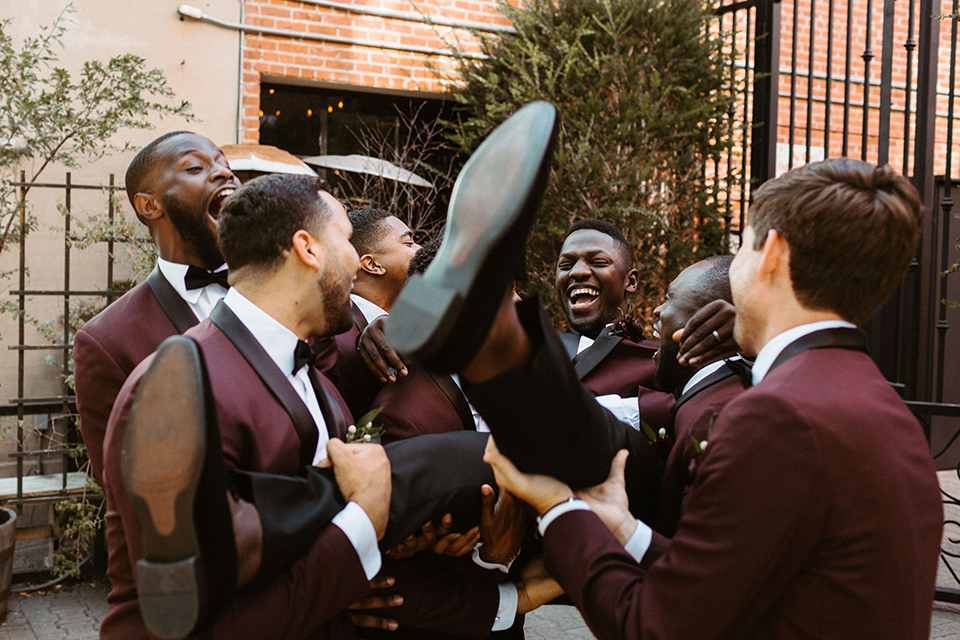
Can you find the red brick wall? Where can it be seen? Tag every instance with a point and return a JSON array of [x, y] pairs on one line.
[[277, 56], [858, 43]]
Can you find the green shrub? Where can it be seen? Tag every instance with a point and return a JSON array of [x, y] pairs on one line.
[[641, 87]]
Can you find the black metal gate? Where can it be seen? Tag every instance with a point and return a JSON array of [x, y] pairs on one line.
[[873, 80]]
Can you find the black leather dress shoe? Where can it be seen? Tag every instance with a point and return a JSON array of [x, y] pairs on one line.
[[173, 471], [442, 316]]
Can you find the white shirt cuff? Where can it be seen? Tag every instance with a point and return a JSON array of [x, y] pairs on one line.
[[489, 565], [625, 410], [570, 505], [639, 542], [355, 523], [507, 611]]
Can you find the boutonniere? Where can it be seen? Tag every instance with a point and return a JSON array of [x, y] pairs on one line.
[[699, 446], [662, 443], [365, 431], [627, 327]]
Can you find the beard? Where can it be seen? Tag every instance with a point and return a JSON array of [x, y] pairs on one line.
[[195, 231], [669, 374], [335, 286]]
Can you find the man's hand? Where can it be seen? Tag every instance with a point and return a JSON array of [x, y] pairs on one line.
[[699, 343], [415, 543], [503, 523], [382, 360], [457, 544], [540, 492], [536, 587], [379, 600], [609, 500], [363, 475]]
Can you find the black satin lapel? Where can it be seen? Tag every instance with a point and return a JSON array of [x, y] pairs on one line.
[[170, 301], [719, 375], [570, 342], [358, 318], [337, 423], [456, 397], [840, 338], [588, 359], [272, 377]]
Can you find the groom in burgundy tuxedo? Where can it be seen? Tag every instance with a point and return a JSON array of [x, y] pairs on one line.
[[815, 512]]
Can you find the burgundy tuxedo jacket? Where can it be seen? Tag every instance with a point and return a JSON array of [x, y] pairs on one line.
[[693, 415], [265, 427], [620, 366], [422, 402], [115, 341], [815, 514], [258, 434], [339, 360]]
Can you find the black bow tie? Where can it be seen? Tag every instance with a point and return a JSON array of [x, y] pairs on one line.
[[743, 369], [302, 355], [198, 278]]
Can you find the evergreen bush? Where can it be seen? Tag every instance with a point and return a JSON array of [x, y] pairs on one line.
[[643, 96]]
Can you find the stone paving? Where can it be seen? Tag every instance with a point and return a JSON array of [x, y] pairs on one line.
[[75, 610]]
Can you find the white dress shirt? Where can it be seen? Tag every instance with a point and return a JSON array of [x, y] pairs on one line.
[[279, 343], [768, 354], [704, 372], [201, 301], [369, 310]]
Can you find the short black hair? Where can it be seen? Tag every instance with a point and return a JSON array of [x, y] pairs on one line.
[[423, 257], [714, 282], [257, 222], [141, 165], [603, 227], [368, 232]]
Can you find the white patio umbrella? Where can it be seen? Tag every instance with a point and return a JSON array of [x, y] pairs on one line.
[[366, 164], [264, 158]]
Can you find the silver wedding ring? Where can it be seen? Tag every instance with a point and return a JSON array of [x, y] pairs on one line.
[[717, 336]]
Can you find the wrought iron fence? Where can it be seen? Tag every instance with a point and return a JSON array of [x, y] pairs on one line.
[[61, 405], [875, 81]]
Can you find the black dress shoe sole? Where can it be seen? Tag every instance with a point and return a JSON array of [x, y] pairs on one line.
[[163, 455], [442, 316]]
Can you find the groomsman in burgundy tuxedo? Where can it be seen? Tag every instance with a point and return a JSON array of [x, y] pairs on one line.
[[815, 511], [701, 390], [595, 275], [176, 186], [385, 246], [272, 413]]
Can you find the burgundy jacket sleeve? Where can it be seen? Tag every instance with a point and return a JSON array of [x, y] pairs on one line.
[[729, 561], [97, 381]]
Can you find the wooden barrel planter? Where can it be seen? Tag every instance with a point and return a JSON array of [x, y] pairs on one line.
[[8, 523]]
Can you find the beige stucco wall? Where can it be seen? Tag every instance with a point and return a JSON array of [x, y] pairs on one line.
[[201, 63]]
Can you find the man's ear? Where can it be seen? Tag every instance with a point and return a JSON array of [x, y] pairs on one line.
[[633, 280], [148, 206], [774, 255], [371, 265], [308, 250]]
